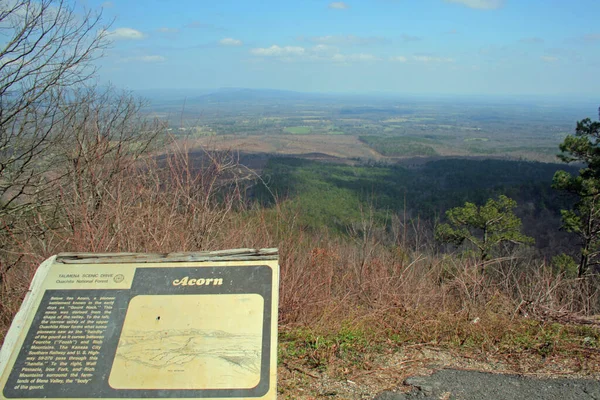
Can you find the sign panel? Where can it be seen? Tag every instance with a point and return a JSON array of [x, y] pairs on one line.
[[132, 330]]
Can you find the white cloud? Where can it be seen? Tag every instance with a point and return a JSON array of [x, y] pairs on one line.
[[343, 58], [431, 59], [165, 29], [549, 59], [152, 59], [410, 38], [423, 58], [230, 42], [125, 33], [277, 51], [339, 5], [324, 48], [362, 57], [479, 4], [107, 4], [344, 40], [317, 53]]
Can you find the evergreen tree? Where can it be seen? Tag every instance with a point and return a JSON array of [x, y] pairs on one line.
[[584, 218], [485, 227]]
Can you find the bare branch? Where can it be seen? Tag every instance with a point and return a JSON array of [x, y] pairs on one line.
[[49, 51]]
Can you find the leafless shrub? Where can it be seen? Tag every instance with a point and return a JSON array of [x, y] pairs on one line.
[[49, 51]]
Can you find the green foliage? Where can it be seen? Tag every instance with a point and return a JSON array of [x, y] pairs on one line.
[[399, 146], [298, 130], [583, 218], [331, 195], [484, 227], [347, 344], [324, 195], [564, 264]]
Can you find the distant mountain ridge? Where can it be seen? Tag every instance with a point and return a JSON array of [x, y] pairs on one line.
[[232, 95], [228, 95], [238, 95]]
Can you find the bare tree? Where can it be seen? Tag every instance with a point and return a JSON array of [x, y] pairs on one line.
[[48, 48], [107, 133]]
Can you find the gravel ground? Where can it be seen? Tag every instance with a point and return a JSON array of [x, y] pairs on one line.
[[449, 384]]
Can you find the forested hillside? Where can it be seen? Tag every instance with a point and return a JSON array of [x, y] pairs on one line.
[[333, 196]]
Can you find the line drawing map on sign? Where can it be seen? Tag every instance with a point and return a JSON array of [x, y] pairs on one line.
[[186, 342]]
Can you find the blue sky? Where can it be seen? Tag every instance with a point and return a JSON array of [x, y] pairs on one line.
[[504, 47]]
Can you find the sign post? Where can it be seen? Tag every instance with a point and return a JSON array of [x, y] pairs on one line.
[[178, 325]]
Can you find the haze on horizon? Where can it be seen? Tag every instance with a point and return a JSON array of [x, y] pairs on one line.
[[483, 47]]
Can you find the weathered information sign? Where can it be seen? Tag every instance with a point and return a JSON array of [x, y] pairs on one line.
[[183, 325]]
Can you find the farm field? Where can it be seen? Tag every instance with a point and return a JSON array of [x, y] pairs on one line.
[[372, 128], [310, 146]]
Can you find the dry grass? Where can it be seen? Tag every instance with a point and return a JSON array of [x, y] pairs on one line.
[[343, 301], [342, 146]]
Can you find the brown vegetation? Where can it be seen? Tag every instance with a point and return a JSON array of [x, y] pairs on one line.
[[392, 282], [335, 146], [352, 307]]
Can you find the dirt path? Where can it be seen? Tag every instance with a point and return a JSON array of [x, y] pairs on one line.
[[451, 384]]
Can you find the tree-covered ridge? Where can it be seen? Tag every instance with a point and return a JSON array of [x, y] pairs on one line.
[[400, 145], [332, 195]]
